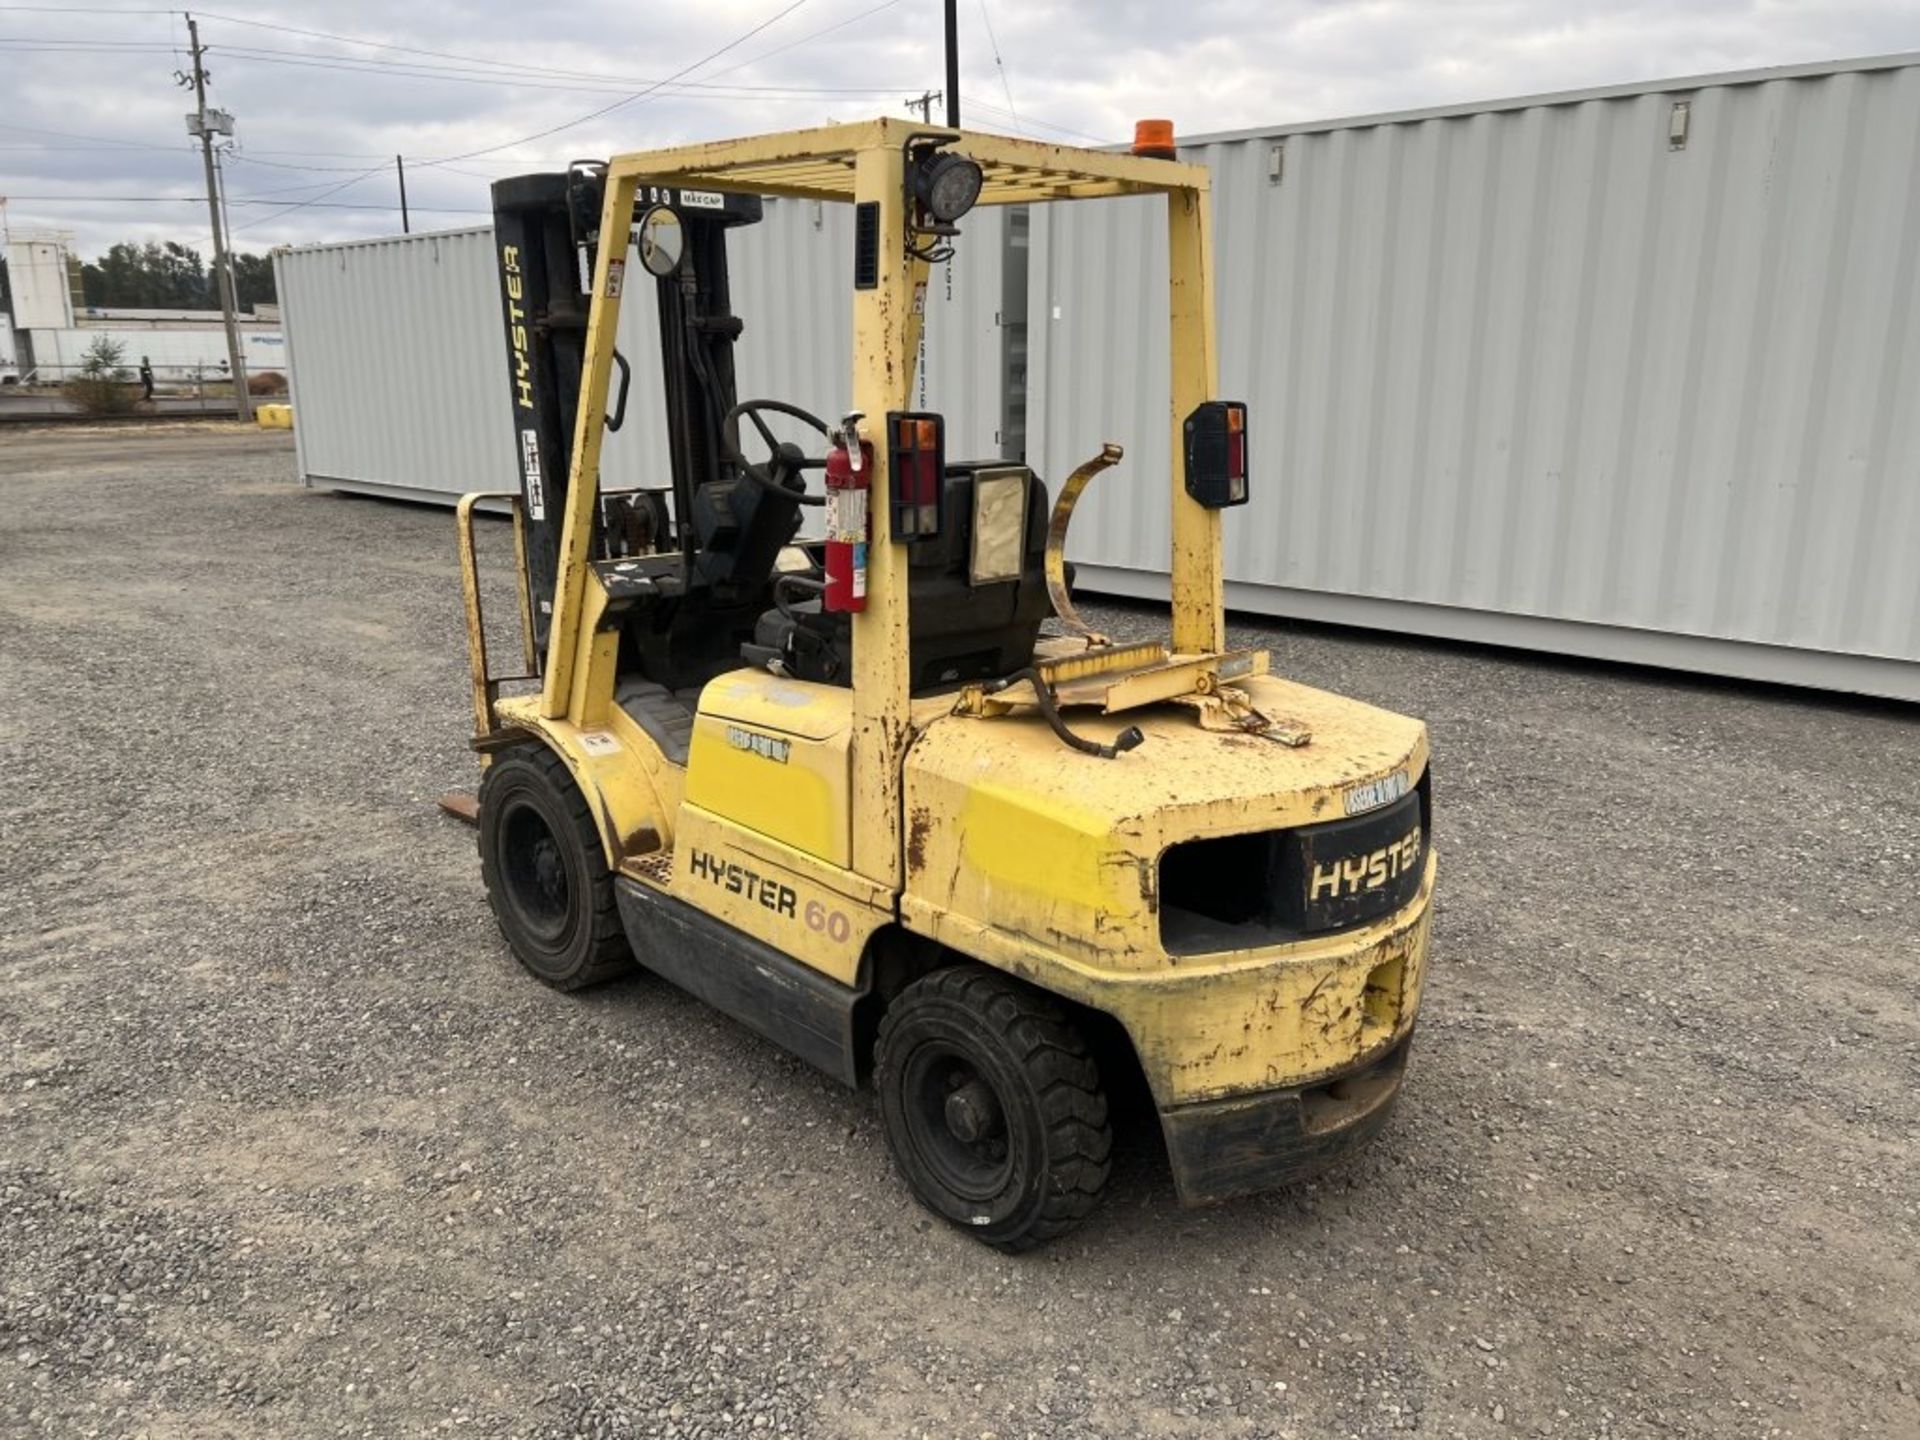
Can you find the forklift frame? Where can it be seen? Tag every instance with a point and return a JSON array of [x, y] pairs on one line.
[[865, 164]]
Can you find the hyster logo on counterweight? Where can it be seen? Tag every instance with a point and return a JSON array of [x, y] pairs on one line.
[[1357, 874], [738, 880]]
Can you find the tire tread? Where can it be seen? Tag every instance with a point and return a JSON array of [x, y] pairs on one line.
[[1064, 1077], [608, 948]]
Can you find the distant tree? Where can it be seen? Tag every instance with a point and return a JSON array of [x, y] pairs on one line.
[[170, 276], [101, 387], [252, 280], [165, 276]]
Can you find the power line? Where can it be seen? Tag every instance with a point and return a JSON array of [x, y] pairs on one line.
[[368, 173], [806, 39], [619, 104], [510, 66], [94, 149], [78, 42], [993, 44], [99, 139], [690, 90], [246, 159], [1043, 124], [315, 204]]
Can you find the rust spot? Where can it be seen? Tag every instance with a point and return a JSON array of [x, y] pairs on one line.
[[919, 824]]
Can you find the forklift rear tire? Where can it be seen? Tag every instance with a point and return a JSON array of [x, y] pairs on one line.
[[993, 1106], [546, 874]]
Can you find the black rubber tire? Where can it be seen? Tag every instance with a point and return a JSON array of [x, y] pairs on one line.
[[545, 872], [965, 1026]]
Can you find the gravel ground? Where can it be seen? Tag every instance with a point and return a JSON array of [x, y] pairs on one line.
[[289, 1147]]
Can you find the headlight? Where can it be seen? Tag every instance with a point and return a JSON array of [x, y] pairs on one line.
[[946, 185]]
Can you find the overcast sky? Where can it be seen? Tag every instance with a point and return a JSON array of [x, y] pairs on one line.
[[89, 107]]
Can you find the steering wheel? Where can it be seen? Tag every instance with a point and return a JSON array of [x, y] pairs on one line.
[[785, 460]]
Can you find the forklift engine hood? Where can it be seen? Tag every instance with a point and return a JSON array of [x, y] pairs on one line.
[[1010, 828]]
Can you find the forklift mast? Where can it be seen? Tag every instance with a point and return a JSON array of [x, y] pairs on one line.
[[546, 234]]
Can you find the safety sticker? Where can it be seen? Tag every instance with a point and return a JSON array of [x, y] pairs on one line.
[[599, 742], [530, 465], [920, 298], [703, 199], [847, 515], [616, 276]]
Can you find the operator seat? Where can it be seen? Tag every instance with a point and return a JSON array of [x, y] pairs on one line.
[[958, 631]]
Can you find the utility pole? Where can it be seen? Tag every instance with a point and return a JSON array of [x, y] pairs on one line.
[[953, 64], [924, 104], [205, 125], [400, 169]]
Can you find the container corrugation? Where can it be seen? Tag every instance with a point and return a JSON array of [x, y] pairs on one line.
[[1534, 363], [396, 363], [399, 369]]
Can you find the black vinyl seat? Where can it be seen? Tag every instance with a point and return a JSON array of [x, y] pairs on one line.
[[958, 632]]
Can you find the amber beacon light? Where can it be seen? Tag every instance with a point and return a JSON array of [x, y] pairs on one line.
[[1153, 139]]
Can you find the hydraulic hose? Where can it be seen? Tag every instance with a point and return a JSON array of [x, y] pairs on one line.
[[1050, 712]]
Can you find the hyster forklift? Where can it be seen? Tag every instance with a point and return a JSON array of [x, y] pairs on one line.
[[843, 789]]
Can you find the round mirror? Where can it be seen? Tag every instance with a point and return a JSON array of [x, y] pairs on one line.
[[662, 242]]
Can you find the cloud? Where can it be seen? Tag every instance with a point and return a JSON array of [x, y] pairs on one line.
[[320, 120]]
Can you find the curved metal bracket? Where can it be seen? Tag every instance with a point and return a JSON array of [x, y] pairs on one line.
[[1109, 455]]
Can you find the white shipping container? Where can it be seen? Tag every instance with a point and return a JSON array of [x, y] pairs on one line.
[[399, 367], [1628, 373]]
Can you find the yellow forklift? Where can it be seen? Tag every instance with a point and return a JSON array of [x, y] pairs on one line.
[[843, 789]]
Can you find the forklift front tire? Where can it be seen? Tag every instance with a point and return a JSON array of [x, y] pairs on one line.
[[546, 875], [993, 1106]]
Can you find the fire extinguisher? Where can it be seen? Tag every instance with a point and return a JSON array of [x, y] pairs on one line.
[[849, 472]]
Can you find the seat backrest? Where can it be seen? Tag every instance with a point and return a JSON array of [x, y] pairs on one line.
[[958, 632]]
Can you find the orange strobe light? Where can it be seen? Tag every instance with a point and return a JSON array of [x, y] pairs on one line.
[[1153, 139]]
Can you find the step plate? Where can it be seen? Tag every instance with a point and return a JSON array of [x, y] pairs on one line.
[[656, 869]]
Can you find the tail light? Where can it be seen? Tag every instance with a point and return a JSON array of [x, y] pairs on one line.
[[917, 465], [1216, 434]]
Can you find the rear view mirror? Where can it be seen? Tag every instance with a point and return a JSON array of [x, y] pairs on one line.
[[662, 241]]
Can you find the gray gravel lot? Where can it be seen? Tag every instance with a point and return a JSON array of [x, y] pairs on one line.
[[289, 1147]]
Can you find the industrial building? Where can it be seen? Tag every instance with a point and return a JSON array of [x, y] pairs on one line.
[[1623, 373], [51, 325]]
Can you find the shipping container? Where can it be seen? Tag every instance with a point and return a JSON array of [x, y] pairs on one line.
[[1630, 373], [1627, 373], [399, 366]]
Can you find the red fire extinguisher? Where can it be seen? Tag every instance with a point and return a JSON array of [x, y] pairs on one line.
[[849, 471]]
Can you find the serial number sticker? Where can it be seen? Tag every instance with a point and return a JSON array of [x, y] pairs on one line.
[[754, 743], [530, 464], [1375, 793], [599, 742]]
